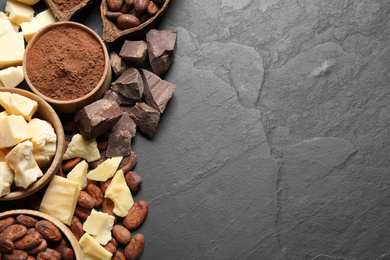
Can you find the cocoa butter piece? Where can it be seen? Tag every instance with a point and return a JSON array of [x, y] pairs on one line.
[[97, 117], [157, 91], [146, 118], [117, 64], [129, 84], [161, 49], [134, 51]]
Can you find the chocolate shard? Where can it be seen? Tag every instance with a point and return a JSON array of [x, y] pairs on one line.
[[117, 64], [161, 49], [118, 98], [130, 85], [126, 123], [134, 51], [157, 91], [119, 140], [146, 118], [97, 117]]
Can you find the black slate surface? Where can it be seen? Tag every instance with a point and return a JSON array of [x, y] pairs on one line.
[[276, 142]]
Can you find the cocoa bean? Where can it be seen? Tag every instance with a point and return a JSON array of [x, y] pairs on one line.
[[152, 8], [85, 200], [77, 228], [6, 245], [67, 254], [115, 5], [128, 162], [108, 207], [70, 164], [32, 239], [126, 21], [96, 163], [134, 249], [15, 255], [104, 184], [64, 243], [102, 143], [82, 213], [49, 254], [113, 15], [39, 248], [129, 2], [113, 240], [30, 257], [124, 10], [110, 247], [26, 220], [121, 234], [4, 223], [14, 232], [136, 215], [48, 231], [118, 256], [61, 173], [140, 6], [96, 193], [133, 181]]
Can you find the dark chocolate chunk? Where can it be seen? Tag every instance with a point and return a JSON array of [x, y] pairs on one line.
[[97, 117], [118, 98], [157, 91], [134, 51], [119, 143], [146, 118], [130, 85], [117, 64], [161, 49], [126, 123]]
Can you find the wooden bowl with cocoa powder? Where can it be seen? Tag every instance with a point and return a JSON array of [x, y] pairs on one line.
[[112, 32], [45, 112], [66, 233], [67, 64]]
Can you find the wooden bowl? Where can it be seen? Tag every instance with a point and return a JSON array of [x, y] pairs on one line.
[[111, 32], [40, 215], [66, 15], [74, 105], [45, 112]]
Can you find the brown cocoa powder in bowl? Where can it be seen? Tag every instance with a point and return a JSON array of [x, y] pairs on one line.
[[65, 63]]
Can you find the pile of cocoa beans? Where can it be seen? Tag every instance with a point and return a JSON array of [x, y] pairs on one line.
[[131, 13], [27, 238]]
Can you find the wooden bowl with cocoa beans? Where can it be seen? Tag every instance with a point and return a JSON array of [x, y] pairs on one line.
[[26, 233], [122, 18]]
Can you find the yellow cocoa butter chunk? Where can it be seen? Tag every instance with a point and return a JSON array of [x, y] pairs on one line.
[[120, 194], [60, 199], [4, 16], [6, 177], [92, 249], [16, 104], [21, 160], [11, 47], [11, 76], [19, 12], [105, 170], [42, 19], [44, 141], [99, 225], [80, 147], [4, 114], [29, 2], [14, 129], [79, 174]]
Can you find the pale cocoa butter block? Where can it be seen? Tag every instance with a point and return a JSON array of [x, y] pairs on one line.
[[117, 64], [134, 51], [92, 250], [79, 174], [19, 12], [146, 118], [99, 225], [98, 117], [80, 147], [161, 49], [130, 85], [120, 194], [7, 178], [157, 91], [105, 170]]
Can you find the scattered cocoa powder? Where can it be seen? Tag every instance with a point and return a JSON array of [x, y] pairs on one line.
[[65, 5], [65, 63]]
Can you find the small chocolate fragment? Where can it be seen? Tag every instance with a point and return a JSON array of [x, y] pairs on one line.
[[146, 118], [118, 98], [117, 64], [129, 85], [134, 51], [119, 140], [98, 117], [161, 48], [157, 91]]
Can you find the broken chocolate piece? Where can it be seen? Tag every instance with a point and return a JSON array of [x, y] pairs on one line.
[[130, 85], [98, 117], [118, 98], [134, 51], [119, 140], [157, 91], [161, 49], [126, 123], [117, 64], [146, 118]]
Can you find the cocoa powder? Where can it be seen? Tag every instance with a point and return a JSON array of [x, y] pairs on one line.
[[65, 5], [65, 63]]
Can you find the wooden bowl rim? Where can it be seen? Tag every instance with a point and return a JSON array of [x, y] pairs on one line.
[[71, 24], [65, 230], [127, 32], [60, 147]]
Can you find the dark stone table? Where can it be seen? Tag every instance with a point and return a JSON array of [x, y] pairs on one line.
[[276, 143]]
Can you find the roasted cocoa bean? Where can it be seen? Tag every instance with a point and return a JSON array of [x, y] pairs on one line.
[[152, 8], [48, 231], [113, 240], [67, 254], [96, 163], [110, 247], [96, 193], [115, 5], [134, 249], [140, 6], [14, 232], [15, 255], [26, 220], [4, 223], [113, 15], [32, 239], [127, 21], [108, 207], [40, 248], [70, 164], [6, 245], [121, 234], [85, 200], [49, 254], [118, 256], [133, 181], [61, 173], [64, 243], [104, 184], [124, 10], [82, 213], [77, 228], [128, 162], [129, 2], [136, 215], [102, 143]]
